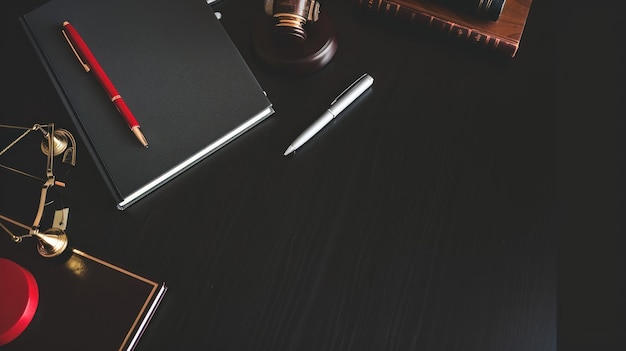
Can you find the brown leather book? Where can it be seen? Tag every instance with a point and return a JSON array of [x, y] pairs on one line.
[[85, 303], [502, 36], [489, 9]]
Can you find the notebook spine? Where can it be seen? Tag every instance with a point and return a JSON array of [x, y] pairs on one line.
[[84, 137]]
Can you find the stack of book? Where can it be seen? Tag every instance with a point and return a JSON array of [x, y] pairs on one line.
[[496, 25], [82, 302]]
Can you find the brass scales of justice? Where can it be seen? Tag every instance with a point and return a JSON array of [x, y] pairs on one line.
[[51, 242]]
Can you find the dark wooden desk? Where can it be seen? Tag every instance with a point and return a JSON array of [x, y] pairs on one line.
[[422, 219]]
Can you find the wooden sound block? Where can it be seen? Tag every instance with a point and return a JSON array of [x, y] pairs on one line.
[[303, 57], [19, 297]]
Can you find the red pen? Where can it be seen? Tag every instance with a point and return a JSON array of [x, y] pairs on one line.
[[91, 64]]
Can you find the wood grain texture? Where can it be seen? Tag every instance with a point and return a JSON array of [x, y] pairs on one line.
[[422, 219]]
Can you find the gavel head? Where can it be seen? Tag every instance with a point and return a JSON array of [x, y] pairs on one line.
[[291, 17]]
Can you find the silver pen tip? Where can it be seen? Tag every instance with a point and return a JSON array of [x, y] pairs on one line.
[[289, 150]]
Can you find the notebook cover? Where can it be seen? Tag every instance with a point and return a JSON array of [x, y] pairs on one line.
[[177, 70], [85, 303]]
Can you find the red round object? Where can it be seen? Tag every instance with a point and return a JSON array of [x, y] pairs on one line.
[[19, 297]]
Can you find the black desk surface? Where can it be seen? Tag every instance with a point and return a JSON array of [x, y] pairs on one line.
[[425, 218]]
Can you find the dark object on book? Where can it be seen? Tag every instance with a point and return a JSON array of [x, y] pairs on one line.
[[300, 57], [85, 303], [502, 36], [489, 9], [179, 73]]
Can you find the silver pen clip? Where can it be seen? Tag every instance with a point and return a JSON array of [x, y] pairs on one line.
[[349, 87]]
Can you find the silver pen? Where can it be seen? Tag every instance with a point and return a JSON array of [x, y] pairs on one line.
[[339, 104]]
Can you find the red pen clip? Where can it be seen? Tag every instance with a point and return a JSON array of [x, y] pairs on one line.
[[85, 66]]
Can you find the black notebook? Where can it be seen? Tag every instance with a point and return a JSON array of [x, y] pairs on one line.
[[177, 70]]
